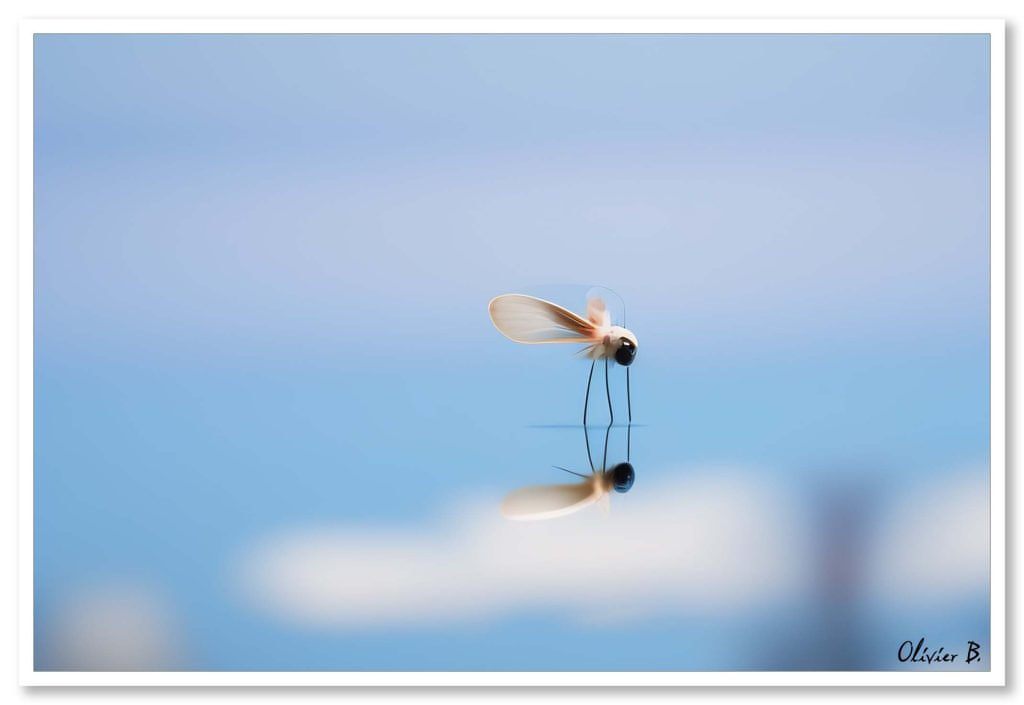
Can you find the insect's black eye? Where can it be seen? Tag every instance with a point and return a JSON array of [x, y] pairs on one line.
[[626, 352], [622, 477]]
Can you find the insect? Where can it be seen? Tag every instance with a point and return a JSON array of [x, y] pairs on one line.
[[553, 501], [527, 319]]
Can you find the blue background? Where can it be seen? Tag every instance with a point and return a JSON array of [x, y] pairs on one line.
[[262, 265]]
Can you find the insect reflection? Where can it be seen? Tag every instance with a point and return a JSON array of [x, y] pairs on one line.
[[553, 501]]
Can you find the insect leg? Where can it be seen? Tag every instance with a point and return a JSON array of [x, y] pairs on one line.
[[608, 393], [590, 458], [607, 435], [586, 399], [571, 472], [629, 399]]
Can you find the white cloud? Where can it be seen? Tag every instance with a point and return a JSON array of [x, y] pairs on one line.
[[709, 541], [714, 541], [116, 626], [935, 546]]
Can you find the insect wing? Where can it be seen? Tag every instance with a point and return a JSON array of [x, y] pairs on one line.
[[527, 319], [612, 305], [549, 501], [597, 312]]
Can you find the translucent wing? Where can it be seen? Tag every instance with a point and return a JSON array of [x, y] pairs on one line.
[[549, 501], [597, 312], [527, 319], [610, 301]]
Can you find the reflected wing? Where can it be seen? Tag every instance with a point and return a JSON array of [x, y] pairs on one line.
[[526, 319], [597, 312], [549, 501]]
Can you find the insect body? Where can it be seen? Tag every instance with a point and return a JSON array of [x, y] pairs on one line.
[[527, 319]]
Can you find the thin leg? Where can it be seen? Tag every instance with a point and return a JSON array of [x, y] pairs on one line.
[[586, 399], [608, 392], [571, 472], [629, 438], [590, 458], [629, 399], [607, 434]]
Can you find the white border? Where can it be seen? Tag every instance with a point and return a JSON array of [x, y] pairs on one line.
[[994, 28]]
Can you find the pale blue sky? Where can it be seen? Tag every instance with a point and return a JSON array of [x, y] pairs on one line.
[[263, 263]]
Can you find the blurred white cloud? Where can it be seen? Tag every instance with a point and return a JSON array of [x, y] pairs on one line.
[[935, 546], [713, 541], [114, 626]]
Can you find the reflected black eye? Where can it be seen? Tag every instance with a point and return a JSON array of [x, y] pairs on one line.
[[622, 477], [626, 352]]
